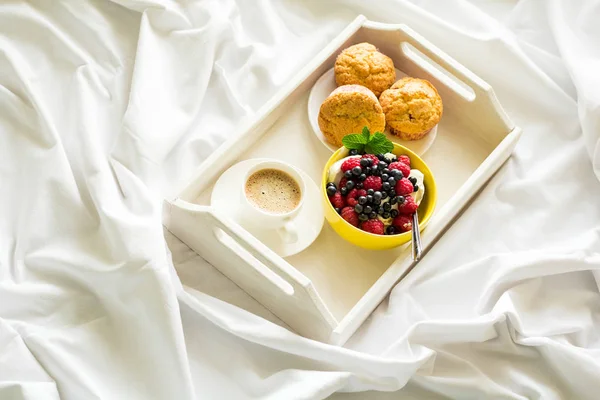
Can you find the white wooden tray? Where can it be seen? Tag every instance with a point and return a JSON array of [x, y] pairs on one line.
[[329, 289]]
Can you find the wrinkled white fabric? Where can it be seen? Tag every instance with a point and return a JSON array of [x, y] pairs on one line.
[[107, 106]]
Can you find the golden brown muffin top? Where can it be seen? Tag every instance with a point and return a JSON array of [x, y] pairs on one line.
[[362, 64], [347, 110], [411, 105]]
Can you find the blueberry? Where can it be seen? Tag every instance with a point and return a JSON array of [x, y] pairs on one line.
[[385, 215], [390, 230], [376, 202], [353, 152], [393, 200], [394, 213], [386, 186], [356, 171], [362, 177], [358, 208], [377, 195], [392, 192], [385, 171], [359, 185], [380, 156], [369, 197], [350, 185], [331, 190], [380, 210], [373, 215], [338, 210], [370, 191], [365, 162], [348, 174], [363, 217], [375, 171], [397, 174], [362, 200], [416, 187], [367, 209], [384, 194], [381, 165], [391, 158], [387, 206], [330, 184], [392, 182], [400, 199], [343, 191], [412, 180], [385, 177]]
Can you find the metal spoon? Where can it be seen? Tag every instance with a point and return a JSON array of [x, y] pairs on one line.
[[417, 249]]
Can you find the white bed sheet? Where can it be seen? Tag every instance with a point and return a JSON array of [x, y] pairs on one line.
[[106, 107]]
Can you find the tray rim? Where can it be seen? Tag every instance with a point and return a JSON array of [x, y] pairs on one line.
[[444, 218]]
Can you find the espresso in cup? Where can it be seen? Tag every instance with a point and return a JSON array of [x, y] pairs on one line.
[[273, 191]]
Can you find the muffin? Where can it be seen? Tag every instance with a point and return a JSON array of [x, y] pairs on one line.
[[412, 108], [347, 110], [362, 64]]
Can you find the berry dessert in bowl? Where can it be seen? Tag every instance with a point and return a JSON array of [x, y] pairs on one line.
[[371, 187]]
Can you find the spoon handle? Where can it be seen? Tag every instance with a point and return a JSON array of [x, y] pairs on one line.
[[416, 238]]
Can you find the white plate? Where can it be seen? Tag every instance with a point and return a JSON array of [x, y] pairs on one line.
[[325, 85], [309, 221]]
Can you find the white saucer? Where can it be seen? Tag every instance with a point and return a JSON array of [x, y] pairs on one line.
[[309, 221], [323, 88]]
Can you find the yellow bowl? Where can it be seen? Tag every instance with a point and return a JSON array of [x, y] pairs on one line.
[[380, 242]]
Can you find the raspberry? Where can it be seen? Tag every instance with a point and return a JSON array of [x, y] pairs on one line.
[[404, 159], [374, 182], [400, 166], [373, 158], [350, 163], [337, 200], [404, 187], [403, 223], [373, 226], [408, 207], [343, 182], [353, 194], [350, 216], [361, 192], [351, 202]]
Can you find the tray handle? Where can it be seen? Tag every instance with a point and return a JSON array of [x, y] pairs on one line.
[[254, 267], [261, 264]]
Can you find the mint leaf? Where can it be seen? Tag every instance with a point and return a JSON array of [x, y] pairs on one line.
[[379, 144], [354, 141], [366, 134]]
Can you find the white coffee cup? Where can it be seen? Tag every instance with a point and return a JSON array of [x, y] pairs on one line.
[[282, 222]]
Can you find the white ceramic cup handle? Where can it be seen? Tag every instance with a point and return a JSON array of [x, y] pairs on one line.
[[288, 232]]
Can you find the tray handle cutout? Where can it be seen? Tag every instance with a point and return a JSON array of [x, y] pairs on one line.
[[441, 73], [245, 254]]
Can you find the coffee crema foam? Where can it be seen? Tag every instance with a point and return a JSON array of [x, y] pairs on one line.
[[273, 191]]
